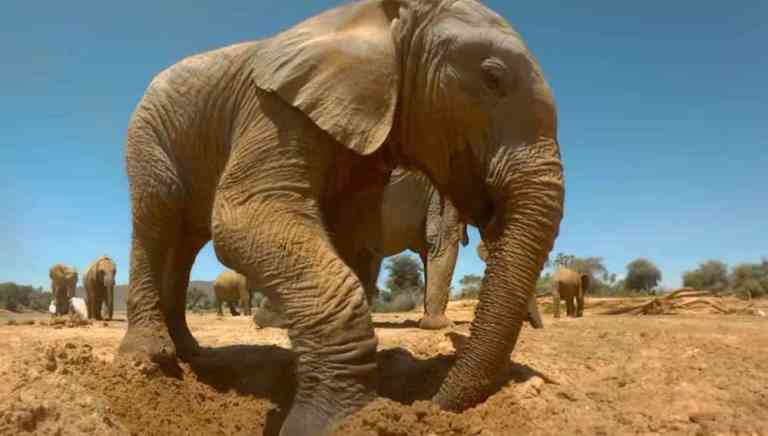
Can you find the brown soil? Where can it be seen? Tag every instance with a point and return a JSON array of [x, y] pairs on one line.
[[691, 373]]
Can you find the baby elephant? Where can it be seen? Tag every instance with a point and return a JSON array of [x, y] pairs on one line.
[[232, 287], [571, 286]]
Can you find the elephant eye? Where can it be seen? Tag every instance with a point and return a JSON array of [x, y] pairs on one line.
[[493, 71]]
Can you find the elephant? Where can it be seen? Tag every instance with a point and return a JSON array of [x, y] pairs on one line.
[[533, 315], [99, 283], [570, 286], [258, 145], [409, 214], [63, 285], [232, 287]]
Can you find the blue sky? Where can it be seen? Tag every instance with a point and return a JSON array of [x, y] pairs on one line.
[[662, 109]]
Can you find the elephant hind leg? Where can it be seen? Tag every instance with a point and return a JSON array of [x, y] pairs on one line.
[[173, 297], [569, 307], [161, 259]]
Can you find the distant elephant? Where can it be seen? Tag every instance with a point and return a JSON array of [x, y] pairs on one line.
[[570, 286], [255, 146], [534, 316], [63, 285], [99, 283], [232, 287]]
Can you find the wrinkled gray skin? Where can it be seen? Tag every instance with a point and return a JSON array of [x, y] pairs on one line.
[[232, 288], [410, 214], [257, 145], [267, 315], [570, 286], [63, 285], [534, 316], [99, 283]]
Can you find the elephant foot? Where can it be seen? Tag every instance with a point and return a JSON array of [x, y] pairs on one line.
[[148, 344], [435, 322], [186, 344], [304, 419]]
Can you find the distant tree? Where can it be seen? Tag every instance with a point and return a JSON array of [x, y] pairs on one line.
[[197, 299], [642, 275], [711, 274], [404, 275], [544, 283], [470, 286], [751, 279], [15, 297]]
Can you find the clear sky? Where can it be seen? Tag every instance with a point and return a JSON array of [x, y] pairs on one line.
[[663, 109]]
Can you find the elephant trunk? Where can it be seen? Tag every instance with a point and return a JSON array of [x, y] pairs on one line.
[[527, 217]]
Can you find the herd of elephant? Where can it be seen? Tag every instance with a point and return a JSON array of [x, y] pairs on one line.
[[302, 157], [98, 282]]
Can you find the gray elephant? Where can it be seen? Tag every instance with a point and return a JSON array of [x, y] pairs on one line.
[[534, 316], [63, 285], [570, 286], [232, 288], [99, 283], [256, 146], [409, 214]]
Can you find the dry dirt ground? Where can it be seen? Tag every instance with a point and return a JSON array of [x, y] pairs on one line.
[[686, 374]]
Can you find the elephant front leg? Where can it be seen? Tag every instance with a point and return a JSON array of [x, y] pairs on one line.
[[328, 320], [438, 273], [232, 310], [556, 302]]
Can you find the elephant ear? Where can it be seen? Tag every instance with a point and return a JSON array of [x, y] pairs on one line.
[[340, 69]]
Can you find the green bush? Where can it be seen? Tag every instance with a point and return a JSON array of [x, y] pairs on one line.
[[16, 297], [711, 274], [750, 279]]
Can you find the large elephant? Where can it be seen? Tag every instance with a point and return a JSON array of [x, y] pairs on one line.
[[99, 283], [63, 285], [232, 288], [570, 286], [534, 316], [256, 146], [409, 214]]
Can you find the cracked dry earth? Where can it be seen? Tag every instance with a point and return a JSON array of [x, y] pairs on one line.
[[687, 374]]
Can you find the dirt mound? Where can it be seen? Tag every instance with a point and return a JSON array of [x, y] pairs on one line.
[[47, 398]]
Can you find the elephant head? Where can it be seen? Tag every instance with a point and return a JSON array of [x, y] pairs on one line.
[[449, 88]]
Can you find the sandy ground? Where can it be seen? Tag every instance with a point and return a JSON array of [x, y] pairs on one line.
[[686, 374]]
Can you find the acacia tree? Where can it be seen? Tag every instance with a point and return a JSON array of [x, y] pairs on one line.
[[642, 275], [405, 274], [470, 286], [711, 274]]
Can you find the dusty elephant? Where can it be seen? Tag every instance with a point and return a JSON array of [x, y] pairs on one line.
[[409, 214], [258, 145], [534, 316], [232, 288], [570, 286], [63, 285], [99, 284]]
